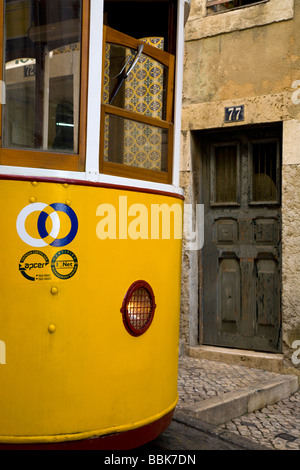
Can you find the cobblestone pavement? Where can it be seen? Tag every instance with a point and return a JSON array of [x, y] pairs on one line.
[[276, 426]]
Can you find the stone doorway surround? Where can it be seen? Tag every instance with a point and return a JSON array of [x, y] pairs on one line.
[[190, 341], [265, 78]]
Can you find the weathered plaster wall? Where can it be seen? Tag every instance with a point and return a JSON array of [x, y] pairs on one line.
[[230, 61], [260, 63], [190, 262], [268, 12]]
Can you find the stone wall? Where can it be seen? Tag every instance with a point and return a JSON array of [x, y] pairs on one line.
[[291, 242], [249, 56]]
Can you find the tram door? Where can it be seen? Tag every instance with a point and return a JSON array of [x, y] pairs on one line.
[[241, 256]]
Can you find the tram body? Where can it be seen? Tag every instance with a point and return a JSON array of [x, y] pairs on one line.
[[90, 245]]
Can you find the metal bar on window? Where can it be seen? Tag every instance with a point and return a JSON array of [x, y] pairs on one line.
[[215, 2], [211, 3]]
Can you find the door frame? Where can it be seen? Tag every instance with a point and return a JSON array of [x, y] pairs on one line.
[[201, 185]]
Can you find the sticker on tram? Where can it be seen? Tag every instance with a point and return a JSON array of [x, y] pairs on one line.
[[2, 352], [34, 266], [39, 226], [64, 264]]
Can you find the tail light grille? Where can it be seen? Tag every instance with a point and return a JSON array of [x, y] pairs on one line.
[[138, 308]]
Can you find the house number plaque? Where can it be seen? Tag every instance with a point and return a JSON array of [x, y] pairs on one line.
[[234, 113]]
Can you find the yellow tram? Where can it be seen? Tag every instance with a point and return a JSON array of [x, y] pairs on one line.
[[91, 215]]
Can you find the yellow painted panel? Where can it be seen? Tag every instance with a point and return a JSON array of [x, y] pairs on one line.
[[70, 365]]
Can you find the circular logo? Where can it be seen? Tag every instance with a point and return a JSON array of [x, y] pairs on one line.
[[31, 265], [52, 213], [64, 264]]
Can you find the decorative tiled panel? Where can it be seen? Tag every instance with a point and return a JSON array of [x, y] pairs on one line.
[[65, 49], [143, 95], [106, 98], [144, 86]]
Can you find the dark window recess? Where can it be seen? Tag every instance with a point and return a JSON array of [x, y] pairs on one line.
[[219, 6], [226, 173], [141, 19]]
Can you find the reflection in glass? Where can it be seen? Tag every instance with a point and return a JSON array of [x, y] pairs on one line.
[[144, 90], [42, 74]]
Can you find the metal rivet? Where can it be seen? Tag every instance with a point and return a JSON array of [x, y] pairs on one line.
[[54, 290], [65, 185], [34, 183], [32, 199], [51, 328], [68, 202]]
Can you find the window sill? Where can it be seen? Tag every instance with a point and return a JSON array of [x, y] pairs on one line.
[[201, 25], [43, 160]]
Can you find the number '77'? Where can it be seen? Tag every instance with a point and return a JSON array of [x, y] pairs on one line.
[[237, 109]]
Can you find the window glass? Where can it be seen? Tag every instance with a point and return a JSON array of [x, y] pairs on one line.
[[136, 144], [42, 43], [137, 128], [218, 6], [144, 89]]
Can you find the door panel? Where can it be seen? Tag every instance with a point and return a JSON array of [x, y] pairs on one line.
[[229, 295], [241, 256]]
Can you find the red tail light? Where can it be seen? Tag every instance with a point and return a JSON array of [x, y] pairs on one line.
[[138, 308]]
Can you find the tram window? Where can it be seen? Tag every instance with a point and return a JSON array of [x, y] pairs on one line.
[[137, 129], [145, 89], [42, 71]]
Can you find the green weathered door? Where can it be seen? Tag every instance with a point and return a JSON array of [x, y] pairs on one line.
[[241, 257]]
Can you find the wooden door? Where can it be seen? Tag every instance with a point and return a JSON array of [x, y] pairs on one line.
[[241, 257]]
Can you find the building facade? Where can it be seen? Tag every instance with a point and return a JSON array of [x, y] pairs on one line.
[[241, 161]]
